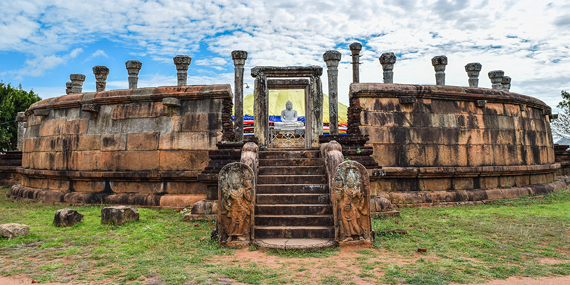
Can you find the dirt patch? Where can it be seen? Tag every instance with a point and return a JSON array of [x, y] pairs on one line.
[[529, 281], [19, 280], [549, 260]]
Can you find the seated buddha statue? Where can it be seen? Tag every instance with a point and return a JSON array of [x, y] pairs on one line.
[[288, 119]]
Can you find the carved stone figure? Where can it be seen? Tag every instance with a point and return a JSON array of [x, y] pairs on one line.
[[351, 203], [288, 119], [236, 198]]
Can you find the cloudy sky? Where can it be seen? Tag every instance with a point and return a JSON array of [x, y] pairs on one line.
[[42, 42]]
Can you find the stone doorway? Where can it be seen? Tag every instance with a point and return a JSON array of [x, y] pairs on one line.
[[293, 77]]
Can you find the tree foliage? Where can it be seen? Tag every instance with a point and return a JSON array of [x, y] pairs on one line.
[[12, 101], [561, 125]]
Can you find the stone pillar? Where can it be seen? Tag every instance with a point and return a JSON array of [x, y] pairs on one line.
[[101, 73], [355, 50], [496, 77], [239, 57], [68, 87], [21, 119], [439, 63], [473, 70], [76, 83], [182, 62], [387, 61], [332, 58], [506, 83], [133, 67]]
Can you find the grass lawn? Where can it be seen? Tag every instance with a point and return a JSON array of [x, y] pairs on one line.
[[523, 237]]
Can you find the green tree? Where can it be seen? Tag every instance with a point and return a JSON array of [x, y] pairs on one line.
[[12, 101], [565, 103]]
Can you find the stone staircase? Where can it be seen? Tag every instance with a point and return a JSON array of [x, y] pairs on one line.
[[293, 199]]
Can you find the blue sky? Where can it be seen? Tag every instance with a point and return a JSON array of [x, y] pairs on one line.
[[42, 42]]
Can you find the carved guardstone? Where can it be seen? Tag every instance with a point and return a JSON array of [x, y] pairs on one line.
[[351, 204], [236, 197]]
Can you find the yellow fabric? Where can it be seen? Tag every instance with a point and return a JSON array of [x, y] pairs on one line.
[[278, 98]]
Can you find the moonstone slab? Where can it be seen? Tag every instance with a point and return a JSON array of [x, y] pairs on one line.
[[12, 230], [67, 218], [119, 215]]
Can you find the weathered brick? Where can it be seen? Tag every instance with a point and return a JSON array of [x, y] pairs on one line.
[[137, 160], [189, 140], [142, 141], [113, 142], [172, 187], [183, 159], [138, 110]]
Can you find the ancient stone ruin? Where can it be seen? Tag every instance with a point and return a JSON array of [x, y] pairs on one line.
[[236, 200], [178, 146]]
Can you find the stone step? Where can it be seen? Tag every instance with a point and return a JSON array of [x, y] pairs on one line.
[[293, 232], [291, 170], [293, 209], [292, 162], [304, 153], [294, 220], [293, 198], [298, 188], [291, 179]]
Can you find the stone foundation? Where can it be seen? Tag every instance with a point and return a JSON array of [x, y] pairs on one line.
[[144, 146]]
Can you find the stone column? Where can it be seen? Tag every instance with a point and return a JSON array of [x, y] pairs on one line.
[[182, 62], [239, 57], [101, 73], [21, 119], [496, 77], [68, 87], [332, 58], [506, 83], [439, 63], [473, 70], [355, 50], [133, 67], [387, 61], [76, 83]]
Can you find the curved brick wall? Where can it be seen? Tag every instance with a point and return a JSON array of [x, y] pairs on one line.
[[139, 146], [439, 138]]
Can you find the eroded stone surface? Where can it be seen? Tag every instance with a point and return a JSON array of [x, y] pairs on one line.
[[332, 58], [182, 62], [13, 230], [351, 203], [387, 61], [67, 218], [236, 198], [473, 70], [496, 77], [101, 73], [439, 63], [133, 68], [119, 215]]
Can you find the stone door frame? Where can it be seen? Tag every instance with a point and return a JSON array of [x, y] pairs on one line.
[[313, 99]]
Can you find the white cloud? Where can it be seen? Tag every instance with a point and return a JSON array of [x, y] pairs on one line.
[[97, 53], [38, 65], [528, 39]]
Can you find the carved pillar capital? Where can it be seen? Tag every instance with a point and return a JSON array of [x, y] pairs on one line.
[[133, 68]]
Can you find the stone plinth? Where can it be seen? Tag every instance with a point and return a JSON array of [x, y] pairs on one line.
[[67, 218], [13, 230], [119, 215]]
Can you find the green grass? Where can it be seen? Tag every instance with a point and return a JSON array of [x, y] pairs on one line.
[[464, 244]]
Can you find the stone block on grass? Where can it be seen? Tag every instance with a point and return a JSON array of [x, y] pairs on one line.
[[119, 215], [67, 218], [12, 230]]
